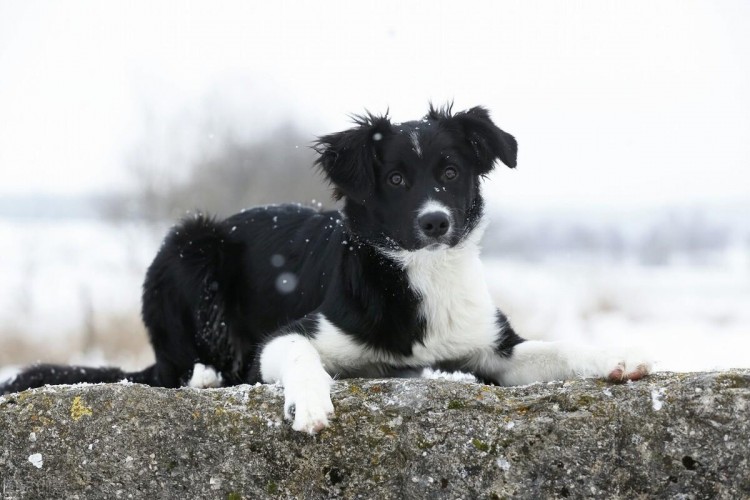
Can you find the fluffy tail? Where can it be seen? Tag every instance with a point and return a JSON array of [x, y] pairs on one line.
[[43, 374]]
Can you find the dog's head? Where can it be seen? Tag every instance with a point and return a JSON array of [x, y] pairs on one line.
[[414, 185]]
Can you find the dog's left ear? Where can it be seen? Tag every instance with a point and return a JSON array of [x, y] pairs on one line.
[[348, 158], [489, 142]]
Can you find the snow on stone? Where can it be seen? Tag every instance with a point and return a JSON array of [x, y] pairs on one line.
[[503, 463], [656, 398], [453, 376], [36, 460]]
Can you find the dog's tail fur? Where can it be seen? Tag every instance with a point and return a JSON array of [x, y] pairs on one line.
[[43, 374]]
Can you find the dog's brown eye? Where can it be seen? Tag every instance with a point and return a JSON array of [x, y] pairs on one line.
[[450, 173], [396, 179]]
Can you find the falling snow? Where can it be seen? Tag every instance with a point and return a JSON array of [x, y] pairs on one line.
[[286, 283]]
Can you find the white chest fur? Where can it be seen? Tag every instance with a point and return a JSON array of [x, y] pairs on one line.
[[455, 304]]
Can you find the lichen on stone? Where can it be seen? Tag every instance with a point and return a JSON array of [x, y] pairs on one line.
[[78, 409]]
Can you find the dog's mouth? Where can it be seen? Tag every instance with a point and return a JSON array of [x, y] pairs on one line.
[[390, 244], [422, 243], [416, 241], [435, 243]]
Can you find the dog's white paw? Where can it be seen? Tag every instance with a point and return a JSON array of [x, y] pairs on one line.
[[614, 365], [620, 367], [628, 369], [205, 377], [309, 404]]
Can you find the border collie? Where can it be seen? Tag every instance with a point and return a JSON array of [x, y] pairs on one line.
[[390, 284]]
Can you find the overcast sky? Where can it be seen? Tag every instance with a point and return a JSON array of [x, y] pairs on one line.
[[613, 103]]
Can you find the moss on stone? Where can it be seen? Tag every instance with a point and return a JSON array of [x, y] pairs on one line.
[[480, 445], [272, 487], [732, 381]]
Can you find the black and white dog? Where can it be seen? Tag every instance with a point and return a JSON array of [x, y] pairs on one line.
[[391, 283]]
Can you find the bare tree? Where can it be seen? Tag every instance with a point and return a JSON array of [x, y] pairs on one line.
[[223, 179], [276, 170]]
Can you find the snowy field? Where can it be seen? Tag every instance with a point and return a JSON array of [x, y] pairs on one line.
[[71, 292]]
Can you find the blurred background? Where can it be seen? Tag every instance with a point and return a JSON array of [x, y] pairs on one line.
[[625, 223]]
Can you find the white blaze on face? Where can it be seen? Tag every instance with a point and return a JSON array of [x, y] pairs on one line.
[[433, 206], [414, 136]]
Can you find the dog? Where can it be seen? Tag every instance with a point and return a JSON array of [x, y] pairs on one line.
[[390, 284]]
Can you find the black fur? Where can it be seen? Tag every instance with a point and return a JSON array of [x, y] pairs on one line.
[[218, 290]]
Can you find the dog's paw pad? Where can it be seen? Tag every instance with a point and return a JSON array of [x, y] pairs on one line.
[[624, 372]]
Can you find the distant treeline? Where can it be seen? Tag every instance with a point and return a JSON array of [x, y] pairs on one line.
[[655, 239]]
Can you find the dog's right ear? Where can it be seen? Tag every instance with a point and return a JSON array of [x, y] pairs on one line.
[[348, 158], [489, 142]]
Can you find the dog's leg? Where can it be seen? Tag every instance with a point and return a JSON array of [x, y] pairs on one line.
[[292, 360], [515, 361], [537, 361]]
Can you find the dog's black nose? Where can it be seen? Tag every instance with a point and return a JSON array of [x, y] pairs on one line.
[[434, 224]]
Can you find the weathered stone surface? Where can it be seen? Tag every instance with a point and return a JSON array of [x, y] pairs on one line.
[[669, 436]]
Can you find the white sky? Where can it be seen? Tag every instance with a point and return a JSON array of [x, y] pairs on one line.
[[613, 103]]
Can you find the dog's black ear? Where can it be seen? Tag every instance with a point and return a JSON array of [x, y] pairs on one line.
[[489, 142], [348, 158]]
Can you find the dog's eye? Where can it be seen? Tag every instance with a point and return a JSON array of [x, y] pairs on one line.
[[396, 179], [450, 173]]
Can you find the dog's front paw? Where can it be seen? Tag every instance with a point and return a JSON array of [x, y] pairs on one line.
[[204, 377], [614, 365], [621, 366], [629, 370], [308, 404]]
